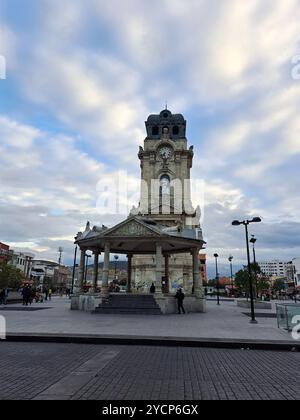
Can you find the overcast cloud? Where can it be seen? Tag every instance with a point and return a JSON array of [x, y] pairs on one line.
[[82, 77]]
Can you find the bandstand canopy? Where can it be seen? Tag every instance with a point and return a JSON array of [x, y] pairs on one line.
[[139, 235]]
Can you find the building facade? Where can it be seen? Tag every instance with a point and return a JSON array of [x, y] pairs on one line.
[[45, 272], [5, 253], [296, 271], [23, 262], [276, 268]]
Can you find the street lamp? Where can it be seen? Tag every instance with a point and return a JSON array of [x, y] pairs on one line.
[[253, 242], [60, 251], [217, 278], [246, 223], [231, 273], [116, 261]]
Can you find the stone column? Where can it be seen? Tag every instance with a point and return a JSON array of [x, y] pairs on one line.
[[29, 267], [81, 270], [129, 274], [25, 266], [167, 285], [159, 269], [96, 269], [196, 274], [104, 288]]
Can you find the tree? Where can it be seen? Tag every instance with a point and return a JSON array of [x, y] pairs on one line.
[[260, 282], [279, 286], [212, 283], [242, 281], [263, 284], [10, 277]]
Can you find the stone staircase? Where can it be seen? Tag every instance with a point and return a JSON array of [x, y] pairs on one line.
[[129, 304]]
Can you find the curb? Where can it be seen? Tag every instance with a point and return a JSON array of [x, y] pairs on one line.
[[156, 341]]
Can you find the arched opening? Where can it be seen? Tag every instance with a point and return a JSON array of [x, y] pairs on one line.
[[165, 185], [155, 131], [165, 195], [176, 130]]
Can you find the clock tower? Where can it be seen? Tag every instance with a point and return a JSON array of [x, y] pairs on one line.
[[166, 163]]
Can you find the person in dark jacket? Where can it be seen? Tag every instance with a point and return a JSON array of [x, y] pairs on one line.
[[180, 298], [2, 297], [152, 289], [26, 295]]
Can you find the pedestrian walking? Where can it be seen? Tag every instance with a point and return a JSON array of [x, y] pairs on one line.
[[152, 289], [180, 298], [49, 294], [46, 293]]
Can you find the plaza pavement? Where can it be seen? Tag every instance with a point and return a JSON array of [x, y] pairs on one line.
[[222, 324], [43, 371]]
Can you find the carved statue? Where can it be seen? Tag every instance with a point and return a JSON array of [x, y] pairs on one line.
[[165, 134]]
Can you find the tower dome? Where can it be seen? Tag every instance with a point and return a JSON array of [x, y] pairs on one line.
[[175, 123]]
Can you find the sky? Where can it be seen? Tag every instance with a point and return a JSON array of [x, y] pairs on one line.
[[81, 78]]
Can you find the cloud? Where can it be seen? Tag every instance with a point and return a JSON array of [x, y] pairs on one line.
[[84, 77]]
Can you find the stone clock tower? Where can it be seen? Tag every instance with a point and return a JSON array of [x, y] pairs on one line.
[[166, 163]]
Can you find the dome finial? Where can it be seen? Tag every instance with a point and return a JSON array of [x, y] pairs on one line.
[[166, 105]]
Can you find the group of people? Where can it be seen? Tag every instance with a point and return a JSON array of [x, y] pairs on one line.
[[30, 295], [4, 296]]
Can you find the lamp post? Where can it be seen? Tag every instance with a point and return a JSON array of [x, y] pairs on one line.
[[86, 268], [60, 251], [246, 224], [231, 273], [253, 242], [217, 278]]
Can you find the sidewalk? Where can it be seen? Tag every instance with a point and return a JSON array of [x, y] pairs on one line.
[[226, 323]]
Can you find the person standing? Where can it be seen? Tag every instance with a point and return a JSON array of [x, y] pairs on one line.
[[2, 297], [26, 295], [5, 296], [180, 298], [152, 289], [49, 294]]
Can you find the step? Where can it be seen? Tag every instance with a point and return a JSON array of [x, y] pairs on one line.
[[127, 311], [129, 304]]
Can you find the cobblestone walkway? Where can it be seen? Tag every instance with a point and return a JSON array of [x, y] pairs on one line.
[[67, 371]]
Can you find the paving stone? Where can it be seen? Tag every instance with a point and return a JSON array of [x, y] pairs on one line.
[[95, 372]]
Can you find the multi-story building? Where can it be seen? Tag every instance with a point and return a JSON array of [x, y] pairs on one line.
[[5, 253], [275, 268], [22, 261], [49, 272], [296, 271]]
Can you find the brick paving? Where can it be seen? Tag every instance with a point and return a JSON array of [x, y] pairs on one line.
[[26, 369], [149, 373]]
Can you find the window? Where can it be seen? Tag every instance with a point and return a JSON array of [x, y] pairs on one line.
[[155, 131], [176, 130]]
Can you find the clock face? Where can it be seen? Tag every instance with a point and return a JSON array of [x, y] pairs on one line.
[[165, 152]]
